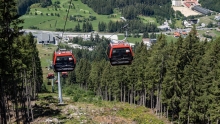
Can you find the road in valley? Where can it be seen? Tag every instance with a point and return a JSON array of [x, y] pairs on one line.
[[59, 34]]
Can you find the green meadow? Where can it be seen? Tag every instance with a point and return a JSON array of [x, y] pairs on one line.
[[49, 20], [147, 19], [178, 24], [207, 19], [52, 18]]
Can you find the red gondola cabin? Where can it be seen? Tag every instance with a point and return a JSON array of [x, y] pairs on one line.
[[50, 76], [56, 82], [120, 53], [63, 60], [64, 74]]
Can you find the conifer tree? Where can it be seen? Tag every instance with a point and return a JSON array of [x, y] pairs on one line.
[[190, 78], [210, 86], [106, 80], [19, 62], [82, 72], [158, 60]]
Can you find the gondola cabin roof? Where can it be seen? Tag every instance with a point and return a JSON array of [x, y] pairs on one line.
[[120, 45], [50, 74], [63, 53]]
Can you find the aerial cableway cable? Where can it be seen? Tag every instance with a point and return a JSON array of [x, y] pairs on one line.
[[64, 28], [120, 52]]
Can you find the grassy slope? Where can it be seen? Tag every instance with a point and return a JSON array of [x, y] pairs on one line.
[[147, 19], [44, 22], [179, 24], [45, 54], [214, 33], [207, 19]]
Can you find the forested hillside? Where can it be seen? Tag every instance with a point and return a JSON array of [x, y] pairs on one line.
[[179, 79], [20, 68], [211, 4], [132, 8]]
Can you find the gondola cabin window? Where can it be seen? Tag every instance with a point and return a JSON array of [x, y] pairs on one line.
[[64, 60], [119, 53]]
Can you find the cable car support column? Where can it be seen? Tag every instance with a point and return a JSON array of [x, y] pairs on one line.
[[59, 82], [60, 89], [52, 86]]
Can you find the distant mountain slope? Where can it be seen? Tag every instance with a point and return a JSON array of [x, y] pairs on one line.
[[211, 4], [131, 8]]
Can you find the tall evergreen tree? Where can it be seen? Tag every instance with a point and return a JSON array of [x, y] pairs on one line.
[[19, 62], [158, 61], [209, 91], [190, 78]]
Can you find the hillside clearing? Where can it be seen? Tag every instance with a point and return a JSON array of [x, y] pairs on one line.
[[92, 110], [47, 110]]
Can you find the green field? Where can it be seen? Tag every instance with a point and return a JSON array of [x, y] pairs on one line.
[[206, 19], [178, 24], [147, 19], [48, 19], [49, 22], [214, 33], [45, 54], [171, 38]]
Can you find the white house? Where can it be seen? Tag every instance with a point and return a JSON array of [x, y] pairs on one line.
[[176, 2], [147, 42], [165, 26]]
